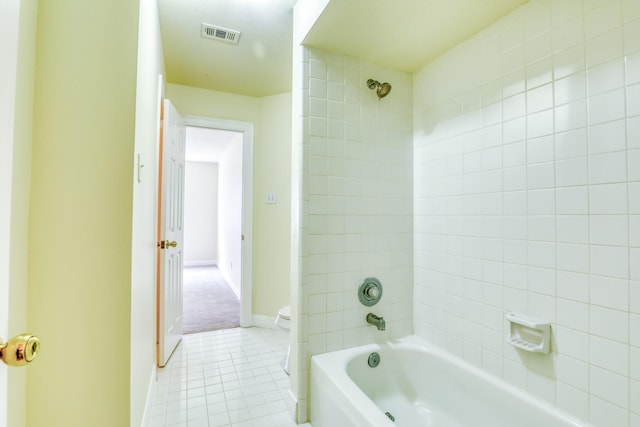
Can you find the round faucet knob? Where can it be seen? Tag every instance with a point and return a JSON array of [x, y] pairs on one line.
[[373, 292]]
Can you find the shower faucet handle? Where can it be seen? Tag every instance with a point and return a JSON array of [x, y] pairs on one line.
[[373, 292], [370, 291]]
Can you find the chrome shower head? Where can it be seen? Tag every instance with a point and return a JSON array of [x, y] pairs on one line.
[[382, 89]]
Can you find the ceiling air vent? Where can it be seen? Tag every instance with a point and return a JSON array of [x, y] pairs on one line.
[[219, 33]]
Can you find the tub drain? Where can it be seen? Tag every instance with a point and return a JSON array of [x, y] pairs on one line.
[[391, 417], [373, 360]]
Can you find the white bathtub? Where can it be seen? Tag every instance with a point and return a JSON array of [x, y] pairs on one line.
[[419, 385]]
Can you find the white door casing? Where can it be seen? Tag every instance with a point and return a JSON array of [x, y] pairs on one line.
[[9, 33], [171, 230], [246, 289]]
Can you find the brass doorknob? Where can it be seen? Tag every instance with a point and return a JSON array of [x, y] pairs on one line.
[[173, 244], [20, 350]]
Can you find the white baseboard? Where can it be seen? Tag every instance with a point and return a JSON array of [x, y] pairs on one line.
[[146, 415], [292, 406], [261, 321], [205, 263], [235, 288]]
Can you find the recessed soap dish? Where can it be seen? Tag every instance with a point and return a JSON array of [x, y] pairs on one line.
[[529, 334]]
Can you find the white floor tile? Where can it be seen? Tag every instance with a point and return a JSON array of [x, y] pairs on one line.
[[227, 378]]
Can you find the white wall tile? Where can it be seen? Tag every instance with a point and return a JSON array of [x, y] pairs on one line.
[[634, 261], [633, 160], [572, 228], [603, 413], [574, 286], [608, 199], [610, 261], [610, 324], [571, 116], [539, 73], [569, 61], [572, 400], [609, 354], [565, 138], [611, 387], [607, 137], [572, 172], [609, 230], [569, 89], [634, 197], [604, 47], [631, 10], [573, 257], [605, 77], [608, 167], [540, 98], [602, 19], [571, 144], [540, 150], [633, 132], [572, 314], [634, 332], [631, 36], [610, 292], [632, 62], [607, 106], [568, 31], [633, 105], [634, 230], [540, 176]]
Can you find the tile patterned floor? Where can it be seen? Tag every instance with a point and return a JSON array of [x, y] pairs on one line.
[[231, 377]]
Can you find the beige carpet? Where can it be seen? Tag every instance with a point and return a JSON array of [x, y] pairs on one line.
[[209, 303]]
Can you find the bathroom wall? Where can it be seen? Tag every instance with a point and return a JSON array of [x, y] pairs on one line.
[[527, 199], [356, 205], [80, 217]]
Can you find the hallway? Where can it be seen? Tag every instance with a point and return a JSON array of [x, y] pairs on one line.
[[209, 303]]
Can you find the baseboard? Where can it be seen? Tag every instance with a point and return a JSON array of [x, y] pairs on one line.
[[205, 263], [235, 288], [146, 415], [292, 406], [261, 321]]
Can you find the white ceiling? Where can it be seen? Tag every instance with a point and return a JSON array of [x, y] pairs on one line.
[[401, 34], [259, 65]]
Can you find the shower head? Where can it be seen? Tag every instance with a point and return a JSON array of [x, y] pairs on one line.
[[382, 89]]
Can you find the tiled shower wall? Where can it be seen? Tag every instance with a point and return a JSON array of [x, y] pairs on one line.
[[527, 199], [356, 218]]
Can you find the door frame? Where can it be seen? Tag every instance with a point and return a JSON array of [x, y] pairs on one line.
[[246, 283]]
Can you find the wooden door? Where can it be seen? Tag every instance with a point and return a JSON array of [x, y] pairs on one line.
[[170, 232]]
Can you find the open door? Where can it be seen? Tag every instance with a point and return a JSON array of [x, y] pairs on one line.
[[170, 232]]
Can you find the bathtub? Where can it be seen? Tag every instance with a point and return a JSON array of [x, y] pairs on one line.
[[418, 384]]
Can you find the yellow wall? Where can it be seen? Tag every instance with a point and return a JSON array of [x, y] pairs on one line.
[[272, 222], [81, 204], [271, 117]]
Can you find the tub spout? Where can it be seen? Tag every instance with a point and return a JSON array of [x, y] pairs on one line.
[[376, 321]]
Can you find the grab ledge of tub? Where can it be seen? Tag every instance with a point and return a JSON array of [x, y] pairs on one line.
[[528, 333]]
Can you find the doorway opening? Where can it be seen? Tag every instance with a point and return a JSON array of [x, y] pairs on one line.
[[218, 212]]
